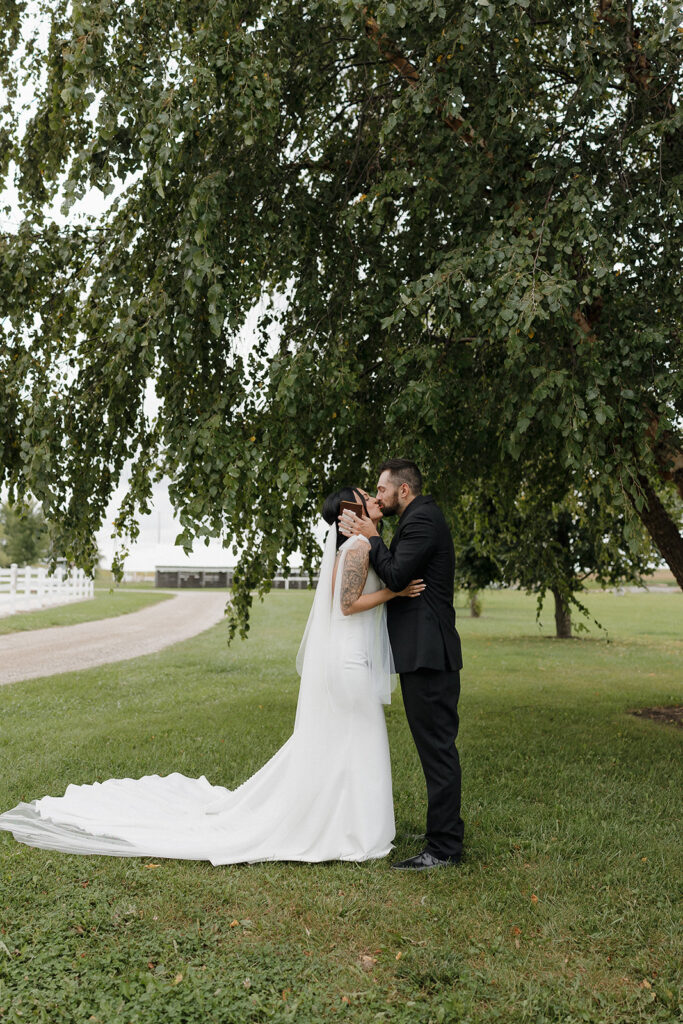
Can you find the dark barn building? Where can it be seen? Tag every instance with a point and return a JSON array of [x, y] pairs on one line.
[[175, 577], [191, 576]]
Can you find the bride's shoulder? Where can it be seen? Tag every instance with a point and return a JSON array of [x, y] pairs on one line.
[[356, 542]]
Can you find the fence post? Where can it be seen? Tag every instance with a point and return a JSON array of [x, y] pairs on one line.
[[13, 571], [27, 587]]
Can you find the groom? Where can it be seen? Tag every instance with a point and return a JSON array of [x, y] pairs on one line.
[[425, 645]]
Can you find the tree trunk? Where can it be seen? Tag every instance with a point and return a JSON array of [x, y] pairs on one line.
[[662, 529], [563, 615], [475, 604]]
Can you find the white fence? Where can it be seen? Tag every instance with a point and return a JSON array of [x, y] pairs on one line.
[[293, 582], [31, 588]]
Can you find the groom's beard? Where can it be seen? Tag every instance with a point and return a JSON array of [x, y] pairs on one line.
[[389, 510]]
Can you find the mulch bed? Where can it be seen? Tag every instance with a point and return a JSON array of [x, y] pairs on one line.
[[666, 716]]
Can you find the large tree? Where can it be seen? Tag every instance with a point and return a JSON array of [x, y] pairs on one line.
[[465, 216]]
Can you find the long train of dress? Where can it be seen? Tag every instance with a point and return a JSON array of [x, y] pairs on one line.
[[325, 795]]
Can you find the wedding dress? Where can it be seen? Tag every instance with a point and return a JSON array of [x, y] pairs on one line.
[[325, 795]]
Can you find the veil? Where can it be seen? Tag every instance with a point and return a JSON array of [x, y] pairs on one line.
[[320, 618], [314, 658], [321, 649]]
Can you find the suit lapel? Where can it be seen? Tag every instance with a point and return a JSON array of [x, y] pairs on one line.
[[415, 503]]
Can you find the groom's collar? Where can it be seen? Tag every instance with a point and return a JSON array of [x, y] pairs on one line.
[[418, 500]]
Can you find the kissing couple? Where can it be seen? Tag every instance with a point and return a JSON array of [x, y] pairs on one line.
[[326, 794]]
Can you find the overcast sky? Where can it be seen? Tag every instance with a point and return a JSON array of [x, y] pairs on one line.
[[159, 529], [155, 544]]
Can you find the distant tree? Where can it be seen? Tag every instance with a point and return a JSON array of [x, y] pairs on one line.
[[473, 570], [23, 534], [544, 535]]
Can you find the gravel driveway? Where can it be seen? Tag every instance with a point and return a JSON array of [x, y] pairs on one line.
[[46, 652]]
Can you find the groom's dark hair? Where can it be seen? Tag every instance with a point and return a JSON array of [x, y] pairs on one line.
[[403, 471]]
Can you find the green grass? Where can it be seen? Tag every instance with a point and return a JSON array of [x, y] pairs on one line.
[[120, 588], [564, 910], [104, 605]]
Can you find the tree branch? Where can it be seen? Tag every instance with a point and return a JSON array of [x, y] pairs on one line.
[[667, 451], [665, 446], [409, 73], [636, 65]]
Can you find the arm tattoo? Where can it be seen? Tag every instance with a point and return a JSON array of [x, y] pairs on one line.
[[354, 575]]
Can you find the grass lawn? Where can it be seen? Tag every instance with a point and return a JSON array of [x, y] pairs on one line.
[[564, 910], [104, 605], [123, 587]]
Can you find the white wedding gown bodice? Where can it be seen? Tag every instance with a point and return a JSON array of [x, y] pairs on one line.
[[325, 795]]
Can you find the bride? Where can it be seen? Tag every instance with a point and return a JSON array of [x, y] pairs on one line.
[[325, 795]]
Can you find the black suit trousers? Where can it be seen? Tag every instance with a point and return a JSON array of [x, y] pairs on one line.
[[430, 698]]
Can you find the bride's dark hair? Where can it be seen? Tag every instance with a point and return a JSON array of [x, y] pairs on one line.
[[331, 505]]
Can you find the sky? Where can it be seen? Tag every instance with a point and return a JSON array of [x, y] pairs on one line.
[[158, 530], [155, 544]]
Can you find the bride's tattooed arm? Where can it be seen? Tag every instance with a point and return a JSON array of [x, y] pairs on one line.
[[354, 575]]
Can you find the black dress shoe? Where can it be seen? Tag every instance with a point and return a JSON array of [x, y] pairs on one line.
[[425, 861]]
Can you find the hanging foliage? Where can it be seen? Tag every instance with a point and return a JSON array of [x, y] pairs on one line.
[[465, 218]]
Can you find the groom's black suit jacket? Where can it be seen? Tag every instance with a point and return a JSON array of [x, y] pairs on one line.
[[421, 629]]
